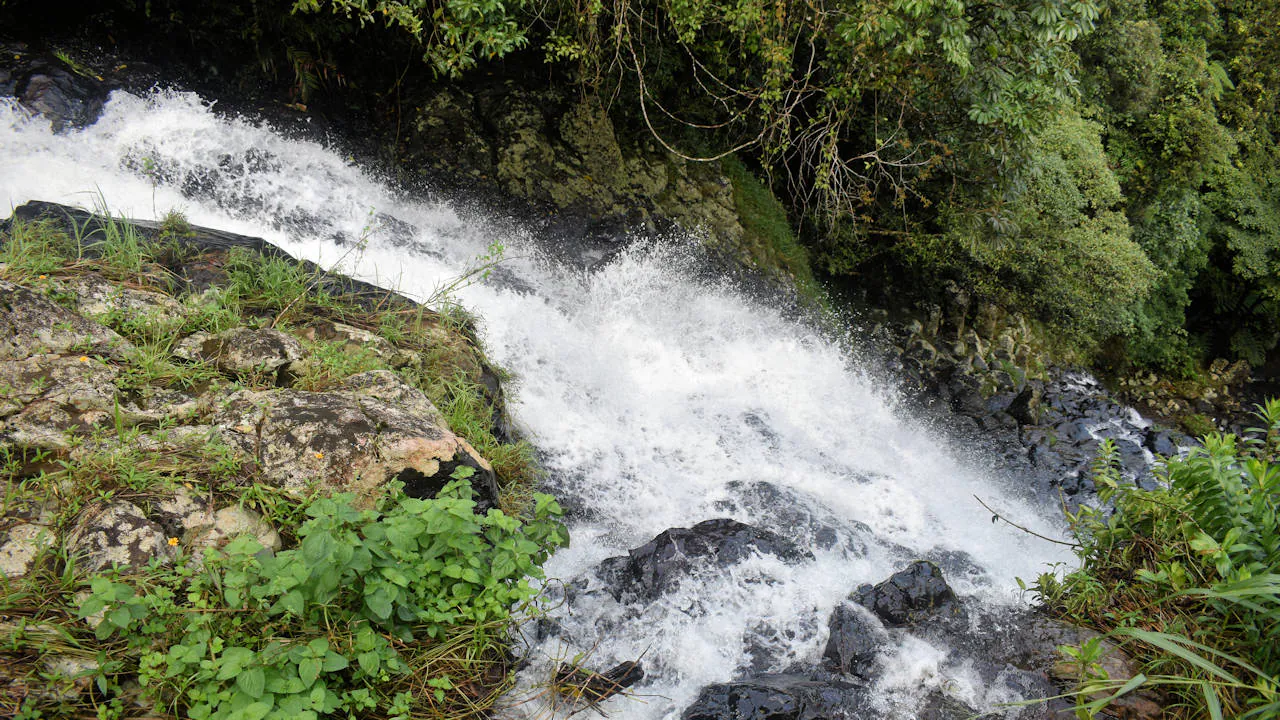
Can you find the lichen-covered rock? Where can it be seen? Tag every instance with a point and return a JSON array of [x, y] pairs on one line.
[[118, 535], [96, 297], [243, 351], [348, 443], [22, 545], [387, 387], [228, 523], [47, 399], [31, 324], [353, 338]]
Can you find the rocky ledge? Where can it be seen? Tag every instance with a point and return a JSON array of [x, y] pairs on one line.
[[151, 371]]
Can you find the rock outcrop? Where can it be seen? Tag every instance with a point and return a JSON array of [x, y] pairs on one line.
[[77, 391]]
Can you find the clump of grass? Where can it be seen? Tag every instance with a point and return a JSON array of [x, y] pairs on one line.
[[30, 250], [1188, 574]]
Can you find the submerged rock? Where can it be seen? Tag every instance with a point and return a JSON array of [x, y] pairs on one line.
[[657, 566], [854, 639]]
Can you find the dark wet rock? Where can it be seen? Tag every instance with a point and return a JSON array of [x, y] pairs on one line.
[[855, 638], [47, 87], [940, 706], [1020, 651], [1072, 432], [806, 696], [910, 596], [117, 535], [586, 687], [1025, 406], [1165, 442], [658, 565]]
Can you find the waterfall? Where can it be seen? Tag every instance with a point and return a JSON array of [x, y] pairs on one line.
[[657, 398]]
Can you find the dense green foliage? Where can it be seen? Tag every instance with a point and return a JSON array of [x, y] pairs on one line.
[[327, 628], [1191, 571], [1107, 168]]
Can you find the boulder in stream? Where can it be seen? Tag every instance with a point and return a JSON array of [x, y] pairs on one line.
[[910, 596], [655, 567]]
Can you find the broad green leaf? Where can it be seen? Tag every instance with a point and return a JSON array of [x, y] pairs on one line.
[[252, 682]]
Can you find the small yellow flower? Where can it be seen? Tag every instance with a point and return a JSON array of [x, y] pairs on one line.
[[319, 456], [44, 277], [173, 542], [84, 358]]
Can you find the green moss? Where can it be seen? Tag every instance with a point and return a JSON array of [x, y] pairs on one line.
[[767, 232]]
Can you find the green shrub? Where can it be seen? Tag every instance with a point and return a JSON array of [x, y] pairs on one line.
[[1189, 572], [334, 624]]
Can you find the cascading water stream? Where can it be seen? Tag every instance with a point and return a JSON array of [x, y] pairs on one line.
[[657, 400]]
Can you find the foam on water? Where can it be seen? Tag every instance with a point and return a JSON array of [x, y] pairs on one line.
[[657, 400]]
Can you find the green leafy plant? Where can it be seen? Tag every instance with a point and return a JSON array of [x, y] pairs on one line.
[[1191, 573], [333, 624]]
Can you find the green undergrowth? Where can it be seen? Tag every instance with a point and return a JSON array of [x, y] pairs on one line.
[[391, 607], [769, 236], [1187, 576]]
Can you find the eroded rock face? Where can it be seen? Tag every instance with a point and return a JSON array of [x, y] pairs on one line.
[[22, 545], [117, 535], [96, 296], [562, 154], [658, 565], [348, 443], [68, 99], [910, 596], [50, 398]]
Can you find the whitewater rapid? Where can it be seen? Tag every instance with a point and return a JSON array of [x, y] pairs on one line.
[[656, 400]]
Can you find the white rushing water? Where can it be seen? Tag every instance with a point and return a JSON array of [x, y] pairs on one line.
[[657, 400]]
